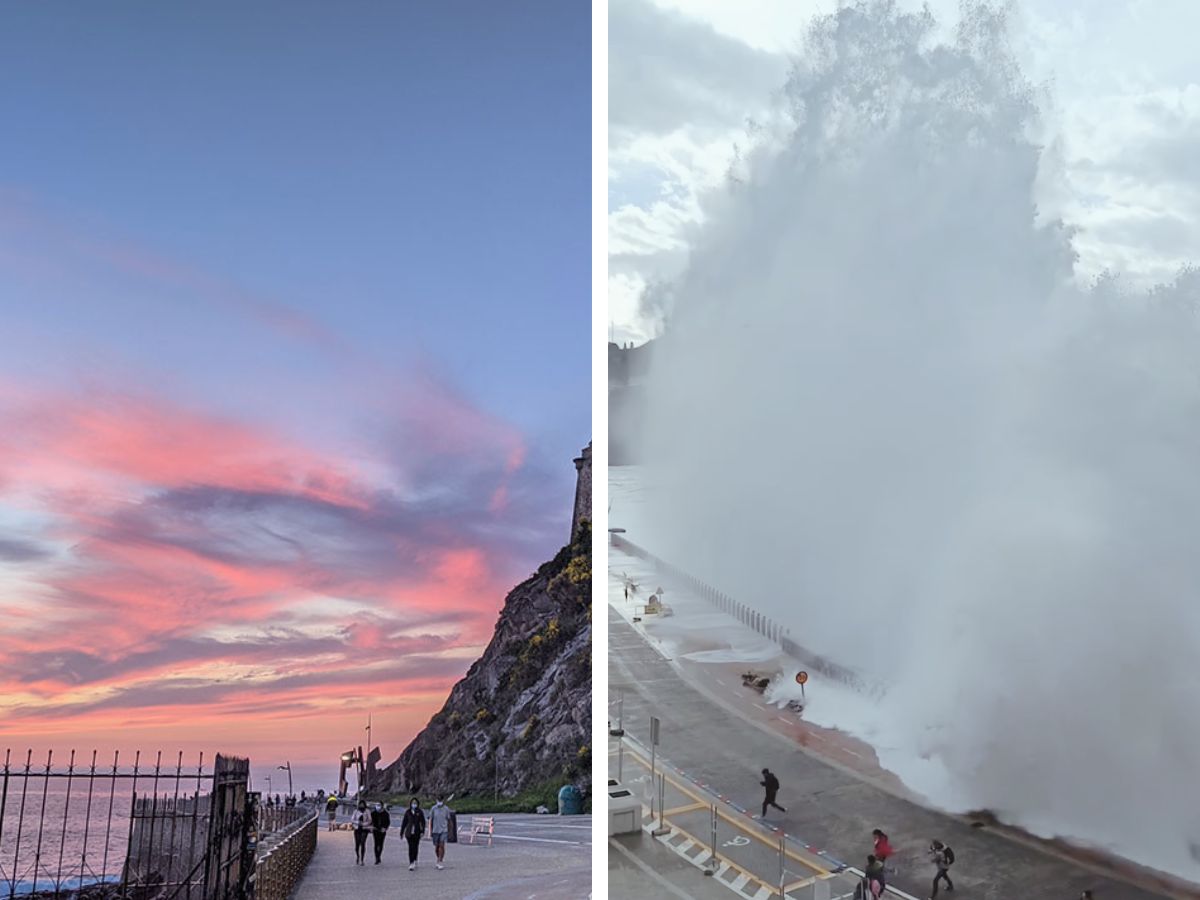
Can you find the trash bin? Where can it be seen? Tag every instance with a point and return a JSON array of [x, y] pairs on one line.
[[570, 801]]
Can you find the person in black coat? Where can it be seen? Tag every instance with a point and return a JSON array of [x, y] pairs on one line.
[[381, 821], [412, 826], [771, 787]]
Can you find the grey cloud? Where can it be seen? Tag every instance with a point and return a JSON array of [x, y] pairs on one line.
[[18, 550], [667, 70], [77, 667]]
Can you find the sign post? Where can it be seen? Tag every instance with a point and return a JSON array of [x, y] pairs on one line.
[[653, 755], [661, 784], [782, 868], [801, 679], [713, 862], [662, 806]]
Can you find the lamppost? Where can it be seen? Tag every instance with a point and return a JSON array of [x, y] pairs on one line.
[[288, 769]]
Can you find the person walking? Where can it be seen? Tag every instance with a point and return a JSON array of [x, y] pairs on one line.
[[439, 824], [361, 823], [771, 785], [873, 883], [331, 806], [412, 826], [943, 859], [381, 821]]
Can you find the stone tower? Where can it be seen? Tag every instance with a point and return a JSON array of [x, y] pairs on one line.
[[583, 490]]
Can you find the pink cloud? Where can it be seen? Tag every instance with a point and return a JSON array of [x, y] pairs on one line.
[[173, 524]]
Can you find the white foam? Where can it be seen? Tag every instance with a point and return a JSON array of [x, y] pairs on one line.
[[885, 416]]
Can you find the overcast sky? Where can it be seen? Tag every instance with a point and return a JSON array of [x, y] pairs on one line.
[[1121, 76]]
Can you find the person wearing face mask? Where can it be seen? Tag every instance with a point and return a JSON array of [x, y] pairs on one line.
[[439, 825], [412, 827], [381, 821], [361, 823]]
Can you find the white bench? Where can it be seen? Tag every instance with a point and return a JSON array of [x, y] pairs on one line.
[[483, 825]]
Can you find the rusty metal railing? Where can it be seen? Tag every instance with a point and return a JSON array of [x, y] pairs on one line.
[[283, 857]]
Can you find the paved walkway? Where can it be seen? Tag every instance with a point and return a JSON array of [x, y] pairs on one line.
[[718, 744], [531, 858]]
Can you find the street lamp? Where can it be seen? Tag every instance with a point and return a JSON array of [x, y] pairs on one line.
[[288, 769]]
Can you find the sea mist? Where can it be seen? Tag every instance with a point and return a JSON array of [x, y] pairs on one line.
[[884, 413]]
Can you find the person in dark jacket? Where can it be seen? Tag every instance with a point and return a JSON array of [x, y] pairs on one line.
[[412, 827], [381, 821], [771, 785], [875, 882]]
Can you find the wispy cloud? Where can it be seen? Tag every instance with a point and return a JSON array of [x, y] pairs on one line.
[[182, 565], [53, 249]]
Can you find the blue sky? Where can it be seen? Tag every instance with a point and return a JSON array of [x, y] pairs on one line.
[[316, 274], [414, 177]]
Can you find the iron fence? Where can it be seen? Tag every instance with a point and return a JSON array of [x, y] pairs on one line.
[[89, 830]]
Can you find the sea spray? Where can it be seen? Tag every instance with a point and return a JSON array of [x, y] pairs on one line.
[[884, 414]]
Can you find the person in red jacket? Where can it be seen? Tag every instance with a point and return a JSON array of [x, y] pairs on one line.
[[883, 849]]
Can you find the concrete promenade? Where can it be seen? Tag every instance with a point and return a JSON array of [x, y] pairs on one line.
[[722, 745], [531, 858]]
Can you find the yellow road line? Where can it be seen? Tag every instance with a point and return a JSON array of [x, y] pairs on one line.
[[691, 807], [803, 882], [736, 821]]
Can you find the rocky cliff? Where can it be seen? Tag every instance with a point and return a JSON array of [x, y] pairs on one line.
[[521, 717]]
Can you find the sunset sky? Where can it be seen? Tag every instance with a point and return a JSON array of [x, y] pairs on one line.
[[294, 358]]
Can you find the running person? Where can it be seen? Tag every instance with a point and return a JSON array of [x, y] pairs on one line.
[[771, 785], [882, 849]]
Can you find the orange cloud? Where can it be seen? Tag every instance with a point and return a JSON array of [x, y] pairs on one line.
[[207, 578]]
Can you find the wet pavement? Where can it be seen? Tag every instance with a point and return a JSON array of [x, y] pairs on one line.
[[721, 734]]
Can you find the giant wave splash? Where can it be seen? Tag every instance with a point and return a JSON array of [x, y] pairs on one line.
[[885, 414]]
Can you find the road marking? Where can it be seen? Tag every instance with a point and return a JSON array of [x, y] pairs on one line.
[[514, 837], [733, 820], [666, 885], [726, 864], [691, 807]]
